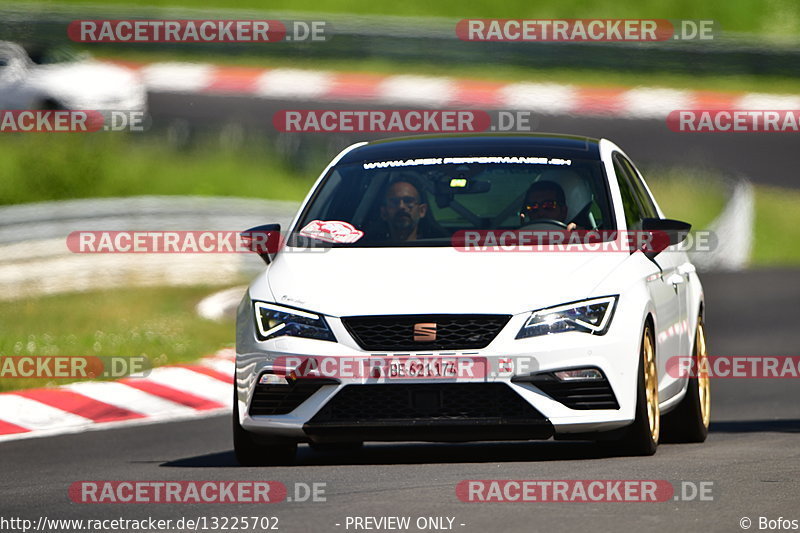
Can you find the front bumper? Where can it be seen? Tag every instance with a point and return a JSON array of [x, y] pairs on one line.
[[510, 363]]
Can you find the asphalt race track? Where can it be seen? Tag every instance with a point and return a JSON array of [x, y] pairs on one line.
[[751, 456], [766, 158]]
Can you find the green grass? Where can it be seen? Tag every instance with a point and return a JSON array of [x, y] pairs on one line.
[[770, 17], [690, 195], [503, 73], [158, 323], [777, 227], [40, 167], [698, 196]]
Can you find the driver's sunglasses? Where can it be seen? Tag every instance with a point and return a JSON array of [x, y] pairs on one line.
[[410, 201], [535, 206]]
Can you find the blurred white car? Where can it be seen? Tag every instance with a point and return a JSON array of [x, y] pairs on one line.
[[66, 81]]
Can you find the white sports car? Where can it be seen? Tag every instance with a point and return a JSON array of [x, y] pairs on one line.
[[411, 301], [61, 80]]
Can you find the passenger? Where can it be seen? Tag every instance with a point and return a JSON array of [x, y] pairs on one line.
[[545, 200]]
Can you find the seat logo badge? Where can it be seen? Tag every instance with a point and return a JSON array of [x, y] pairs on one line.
[[425, 331]]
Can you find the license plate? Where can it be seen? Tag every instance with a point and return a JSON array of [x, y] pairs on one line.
[[430, 368], [449, 368]]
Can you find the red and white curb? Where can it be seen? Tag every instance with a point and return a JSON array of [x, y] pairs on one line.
[[173, 392], [430, 91]]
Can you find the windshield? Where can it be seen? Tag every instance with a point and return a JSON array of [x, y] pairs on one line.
[[60, 54], [425, 202]]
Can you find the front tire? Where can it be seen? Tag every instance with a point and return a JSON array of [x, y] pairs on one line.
[[250, 452], [689, 421], [641, 437]]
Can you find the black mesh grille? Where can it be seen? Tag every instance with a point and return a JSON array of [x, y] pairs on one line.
[[281, 399], [579, 395], [396, 332], [447, 401]]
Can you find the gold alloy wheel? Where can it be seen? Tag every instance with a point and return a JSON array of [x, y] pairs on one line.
[[703, 381], [651, 388]]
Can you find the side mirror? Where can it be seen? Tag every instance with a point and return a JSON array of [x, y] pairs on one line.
[[664, 233], [264, 240]]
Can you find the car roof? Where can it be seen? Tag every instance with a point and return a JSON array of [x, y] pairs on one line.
[[463, 145], [9, 46]]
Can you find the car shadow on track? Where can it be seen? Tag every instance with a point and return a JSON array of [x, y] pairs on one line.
[[422, 453], [756, 426]]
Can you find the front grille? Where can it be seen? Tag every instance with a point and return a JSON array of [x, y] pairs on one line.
[[581, 395], [396, 332], [446, 401], [282, 399]]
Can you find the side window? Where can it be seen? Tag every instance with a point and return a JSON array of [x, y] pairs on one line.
[[633, 211], [648, 207]]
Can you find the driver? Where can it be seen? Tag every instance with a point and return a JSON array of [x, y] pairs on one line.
[[402, 209], [545, 200]]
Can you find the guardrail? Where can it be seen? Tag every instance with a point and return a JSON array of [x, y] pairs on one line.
[[34, 258]]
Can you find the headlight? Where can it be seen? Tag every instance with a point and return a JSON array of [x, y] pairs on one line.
[[589, 316], [275, 320]]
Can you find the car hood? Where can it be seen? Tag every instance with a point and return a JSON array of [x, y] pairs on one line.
[[376, 281]]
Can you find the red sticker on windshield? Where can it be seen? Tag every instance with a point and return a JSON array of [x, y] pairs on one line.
[[332, 231]]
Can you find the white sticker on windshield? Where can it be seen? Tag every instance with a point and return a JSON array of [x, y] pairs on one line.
[[468, 160], [334, 231]]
